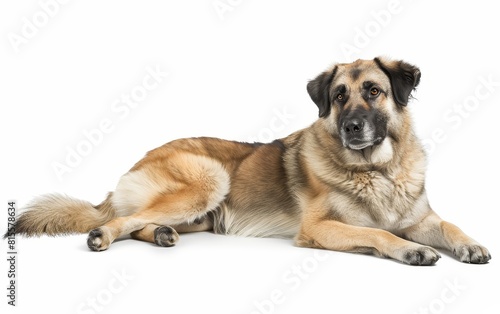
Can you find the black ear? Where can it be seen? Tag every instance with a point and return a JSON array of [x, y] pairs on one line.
[[319, 90], [404, 78]]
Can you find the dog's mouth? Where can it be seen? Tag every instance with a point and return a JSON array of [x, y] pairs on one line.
[[357, 144]]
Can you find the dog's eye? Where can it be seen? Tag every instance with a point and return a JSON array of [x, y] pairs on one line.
[[374, 91], [340, 97]]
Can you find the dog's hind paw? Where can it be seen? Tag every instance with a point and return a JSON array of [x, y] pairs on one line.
[[96, 240], [166, 236]]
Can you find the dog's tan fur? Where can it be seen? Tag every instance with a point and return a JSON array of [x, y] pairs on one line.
[[308, 185]]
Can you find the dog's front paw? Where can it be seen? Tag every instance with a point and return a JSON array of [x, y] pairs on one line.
[[472, 253], [420, 255], [96, 240]]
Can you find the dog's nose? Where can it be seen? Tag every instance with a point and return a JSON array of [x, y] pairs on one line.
[[354, 125]]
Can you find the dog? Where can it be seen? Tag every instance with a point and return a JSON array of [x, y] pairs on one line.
[[353, 181]]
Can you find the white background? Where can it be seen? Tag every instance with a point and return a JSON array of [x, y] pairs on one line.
[[228, 74]]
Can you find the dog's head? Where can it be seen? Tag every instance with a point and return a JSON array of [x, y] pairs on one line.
[[362, 102]]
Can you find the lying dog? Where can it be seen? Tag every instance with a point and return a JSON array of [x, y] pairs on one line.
[[352, 181]]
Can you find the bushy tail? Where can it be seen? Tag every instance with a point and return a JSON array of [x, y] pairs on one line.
[[57, 214]]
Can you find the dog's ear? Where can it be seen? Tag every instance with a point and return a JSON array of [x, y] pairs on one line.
[[404, 78], [319, 91]]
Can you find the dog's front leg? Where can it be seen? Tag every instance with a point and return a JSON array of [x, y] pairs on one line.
[[337, 236], [434, 231]]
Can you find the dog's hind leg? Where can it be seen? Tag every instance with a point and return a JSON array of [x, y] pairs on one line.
[[167, 210], [167, 235], [202, 186], [160, 235]]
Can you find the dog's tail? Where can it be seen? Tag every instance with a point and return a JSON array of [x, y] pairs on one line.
[[57, 214]]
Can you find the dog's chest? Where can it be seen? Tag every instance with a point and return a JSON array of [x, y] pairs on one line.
[[375, 200], [367, 184]]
